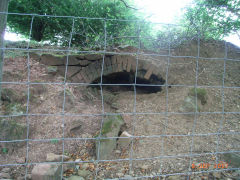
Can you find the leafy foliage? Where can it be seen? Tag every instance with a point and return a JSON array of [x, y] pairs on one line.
[[87, 32], [213, 18]]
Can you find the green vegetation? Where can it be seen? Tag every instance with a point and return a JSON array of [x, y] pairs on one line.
[[201, 94], [10, 129], [14, 54], [88, 32], [12, 102], [54, 141], [14, 109], [4, 150], [111, 122], [212, 18], [8, 95]]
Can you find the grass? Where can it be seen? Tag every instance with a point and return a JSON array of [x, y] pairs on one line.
[[54, 141], [14, 54], [4, 150], [201, 94], [15, 109], [11, 129]]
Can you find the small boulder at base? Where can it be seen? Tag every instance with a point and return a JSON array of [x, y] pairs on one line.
[[5, 176], [46, 172], [75, 178], [84, 173], [124, 142]]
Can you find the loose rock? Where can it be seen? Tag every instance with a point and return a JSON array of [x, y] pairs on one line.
[[84, 173], [51, 157], [75, 178], [6, 170], [5, 176], [46, 172], [124, 142], [174, 177]]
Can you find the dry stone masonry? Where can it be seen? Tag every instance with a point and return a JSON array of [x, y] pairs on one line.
[[88, 68]]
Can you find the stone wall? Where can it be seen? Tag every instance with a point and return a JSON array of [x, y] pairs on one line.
[[87, 68]]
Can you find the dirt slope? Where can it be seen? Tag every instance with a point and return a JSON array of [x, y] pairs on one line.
[[157, 113]]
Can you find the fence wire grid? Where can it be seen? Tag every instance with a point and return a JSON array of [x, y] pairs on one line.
[[167, 55]]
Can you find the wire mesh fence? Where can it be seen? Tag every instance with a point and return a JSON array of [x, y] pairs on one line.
[[177, 130]]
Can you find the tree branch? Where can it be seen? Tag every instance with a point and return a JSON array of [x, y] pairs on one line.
[[127, 6]]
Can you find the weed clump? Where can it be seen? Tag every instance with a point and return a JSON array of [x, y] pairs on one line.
[[200, 93]]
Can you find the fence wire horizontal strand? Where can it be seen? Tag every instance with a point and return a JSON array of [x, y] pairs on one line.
[[115, 114], [99, 18], [152, 136], [120, 53], [104, 84], [126, 159]]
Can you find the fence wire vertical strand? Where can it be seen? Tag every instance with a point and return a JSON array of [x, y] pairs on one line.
[[166, 87], [64, 96], [28, 96], [222, 98], [196, 105], [135, 99], [98, 139]]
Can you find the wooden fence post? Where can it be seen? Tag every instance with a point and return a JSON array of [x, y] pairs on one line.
[[3, 21]]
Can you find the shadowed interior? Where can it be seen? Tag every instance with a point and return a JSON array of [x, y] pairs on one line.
[[124, 81]]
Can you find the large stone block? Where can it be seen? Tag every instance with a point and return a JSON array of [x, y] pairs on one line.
[[46, 172], [84, 74], [51, 60], [93, 56], [111, 128]]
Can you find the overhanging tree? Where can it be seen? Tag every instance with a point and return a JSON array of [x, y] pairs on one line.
[[86, 31], [213, 18]]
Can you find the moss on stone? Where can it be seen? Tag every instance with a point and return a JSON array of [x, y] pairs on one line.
[[12, 130], [52, 69], [9, 95], [14, 108], [111, 122], [111, 128]]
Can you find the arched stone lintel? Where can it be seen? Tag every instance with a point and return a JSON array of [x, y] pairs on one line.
[[114, 64]]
